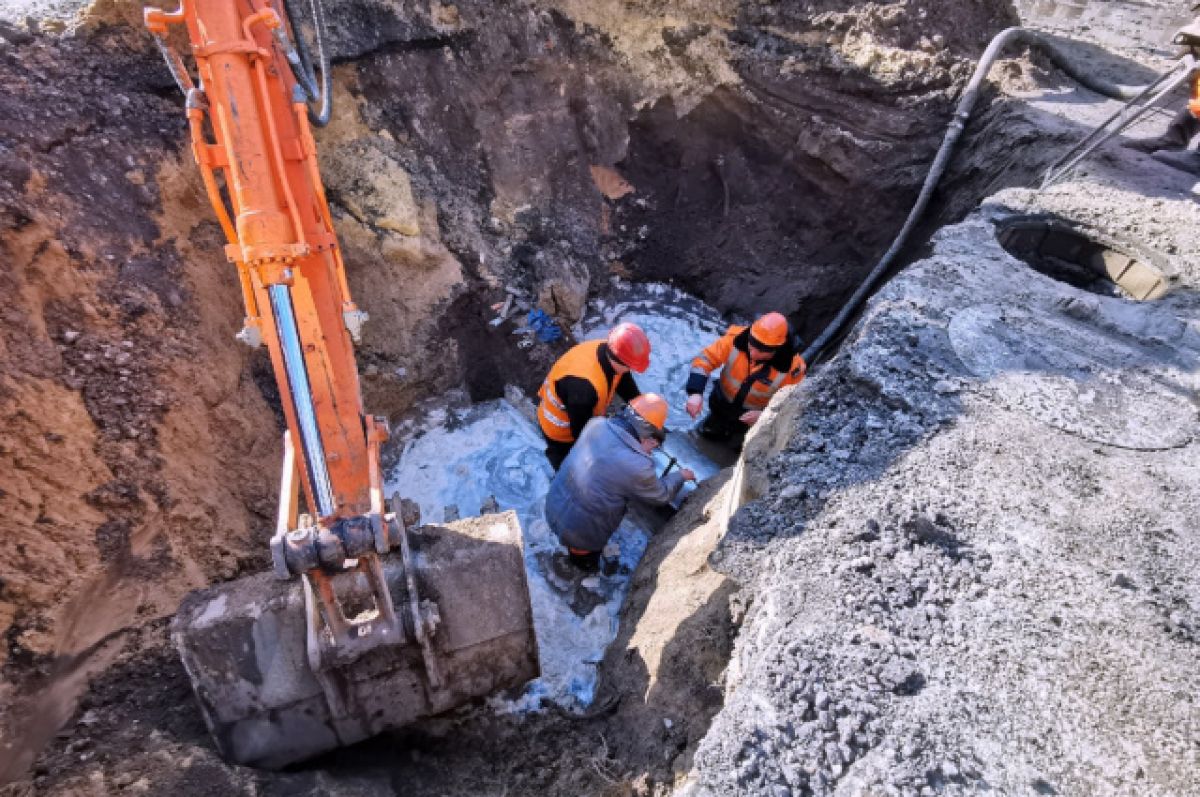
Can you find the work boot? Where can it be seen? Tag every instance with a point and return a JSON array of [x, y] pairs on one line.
[[1178, 135], [562, 574], [584, 561], [1187, 160], [712, 429]]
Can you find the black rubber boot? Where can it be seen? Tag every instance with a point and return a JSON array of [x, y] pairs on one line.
[[721, 424], [1179, 134], [586, 562], [1187, 160]]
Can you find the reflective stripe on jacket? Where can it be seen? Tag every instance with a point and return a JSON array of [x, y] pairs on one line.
[[581, 361], [604, 471], [730, 353]]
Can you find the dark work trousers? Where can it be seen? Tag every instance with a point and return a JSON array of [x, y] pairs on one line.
[[1182, 130], [556, 452], [723, 424]]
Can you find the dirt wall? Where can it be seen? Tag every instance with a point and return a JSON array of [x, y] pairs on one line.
[[137, 451], [781, 187], [139, 443]]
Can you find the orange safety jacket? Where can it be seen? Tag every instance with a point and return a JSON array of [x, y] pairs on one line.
[[731, 354], [582, 362]]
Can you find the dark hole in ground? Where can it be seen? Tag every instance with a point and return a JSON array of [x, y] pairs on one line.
[[489, 357], [1042, 787], [1069, 254], [732, 208]]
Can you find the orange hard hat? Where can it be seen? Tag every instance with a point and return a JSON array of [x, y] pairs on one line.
[[770, 330], [652, 408], [629, 344]]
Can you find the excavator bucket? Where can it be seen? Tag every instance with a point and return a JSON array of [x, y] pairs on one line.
[[368, 622], [270, 698]]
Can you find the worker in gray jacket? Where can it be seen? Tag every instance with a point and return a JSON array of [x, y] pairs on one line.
[[609, 465]]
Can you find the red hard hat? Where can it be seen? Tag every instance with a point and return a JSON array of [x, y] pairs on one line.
[[770, 330], [629, 344]]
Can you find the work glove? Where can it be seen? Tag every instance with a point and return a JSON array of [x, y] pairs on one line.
[[695, 403]]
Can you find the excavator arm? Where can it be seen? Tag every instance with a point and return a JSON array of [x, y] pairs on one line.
[[252, 141], [260, 171], [251, 137]]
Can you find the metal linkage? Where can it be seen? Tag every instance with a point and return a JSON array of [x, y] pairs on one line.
[[423, 614], [311, 546], [333, 640], [1146, 100], [319, 554]]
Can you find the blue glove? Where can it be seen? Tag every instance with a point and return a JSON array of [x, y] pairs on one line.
[[543, 326]]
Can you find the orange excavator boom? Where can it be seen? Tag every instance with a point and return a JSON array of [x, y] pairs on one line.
[[280, 239], [423, 634]]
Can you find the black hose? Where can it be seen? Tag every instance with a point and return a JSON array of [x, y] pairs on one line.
[[1060, 59], [962, 112], [306, 77]]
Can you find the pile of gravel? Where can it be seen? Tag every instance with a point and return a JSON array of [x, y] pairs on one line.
[[975, 563]]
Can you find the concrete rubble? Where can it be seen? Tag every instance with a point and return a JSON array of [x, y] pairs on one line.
[[972, 565]]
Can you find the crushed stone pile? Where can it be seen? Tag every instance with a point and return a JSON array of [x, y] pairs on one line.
[[973, 559]]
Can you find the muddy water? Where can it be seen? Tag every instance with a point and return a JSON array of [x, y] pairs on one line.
[[1120, 24], [459, 454]]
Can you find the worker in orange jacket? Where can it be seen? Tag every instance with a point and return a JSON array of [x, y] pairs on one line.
[[755, 362], [1172, 147], [583, 382]]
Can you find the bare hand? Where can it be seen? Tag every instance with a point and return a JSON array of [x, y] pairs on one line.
[[688, 475], [750, 418], [694, 404]]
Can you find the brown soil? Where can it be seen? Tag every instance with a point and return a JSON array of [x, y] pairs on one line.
[[137, 731], [136, 451], [139, 443]]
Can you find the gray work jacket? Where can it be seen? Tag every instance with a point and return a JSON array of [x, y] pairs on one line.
[[604, 471]]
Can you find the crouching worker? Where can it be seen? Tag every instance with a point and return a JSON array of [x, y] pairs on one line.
[[755, 362], [609, 466]]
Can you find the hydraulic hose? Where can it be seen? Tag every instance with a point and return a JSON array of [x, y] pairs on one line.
[[305, 75], [966, 104]]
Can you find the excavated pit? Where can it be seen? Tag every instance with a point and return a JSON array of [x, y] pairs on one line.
[[1081, 259], [761, 163]]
